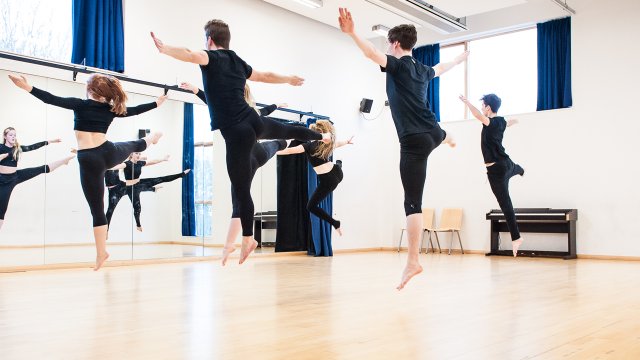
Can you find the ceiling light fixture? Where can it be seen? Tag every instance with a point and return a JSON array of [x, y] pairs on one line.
[[380, 30]]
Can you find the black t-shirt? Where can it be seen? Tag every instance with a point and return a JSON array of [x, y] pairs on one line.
[[267, 110], [9, 160], [407, 83], [112, 178], [133, 170], [491, 140], [223, 79], [89, 115], [310, 149]]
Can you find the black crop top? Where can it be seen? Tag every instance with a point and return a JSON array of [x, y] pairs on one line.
[[112, 178], [309, 149], [491, 140], [263, 111], [9, 160], [89, 115], [132, 171]]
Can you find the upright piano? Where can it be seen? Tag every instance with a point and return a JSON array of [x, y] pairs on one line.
[[264, 220], [536, 220]]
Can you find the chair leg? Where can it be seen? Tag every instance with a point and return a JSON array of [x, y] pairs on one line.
[[438, 241], [451, 243], [421, 243], [459, 240], [430, 243], [400, 243]]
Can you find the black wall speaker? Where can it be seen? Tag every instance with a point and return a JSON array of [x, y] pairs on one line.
[[365, 105], [143, 132]]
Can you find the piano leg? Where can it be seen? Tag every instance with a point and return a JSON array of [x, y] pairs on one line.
[[572, 241], [257, 231], [494, 239]]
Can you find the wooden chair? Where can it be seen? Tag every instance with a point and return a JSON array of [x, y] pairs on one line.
[[451, 221], [428, 215]]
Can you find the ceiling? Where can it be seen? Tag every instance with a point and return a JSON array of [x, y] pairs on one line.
[[366, 15]]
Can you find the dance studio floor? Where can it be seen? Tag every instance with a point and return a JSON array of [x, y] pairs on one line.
[[345, 307]]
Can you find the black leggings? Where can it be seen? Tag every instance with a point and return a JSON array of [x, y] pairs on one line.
[[94, 163], [240, 140], [499, 175], [326, 184], [146, 185], [9, 181], [261, 153], [414, 152]]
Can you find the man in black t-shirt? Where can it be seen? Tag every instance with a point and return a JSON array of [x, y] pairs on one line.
[[500, 168], [418, 130], [224, 75]]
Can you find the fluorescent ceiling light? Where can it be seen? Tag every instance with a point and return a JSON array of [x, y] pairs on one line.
[[380, 30], [310, 3]]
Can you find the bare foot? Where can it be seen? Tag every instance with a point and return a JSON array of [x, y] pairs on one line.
[[100, 259], [157, 187], [186, 171], [409, 272], [226, 251], [449, 141], [515, 246], [247, 249], [139, 228], [67, 159], [339, 231], [155, 137]]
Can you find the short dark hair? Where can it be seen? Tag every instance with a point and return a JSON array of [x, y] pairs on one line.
[[405, 34], [219, 32], [493, 101]]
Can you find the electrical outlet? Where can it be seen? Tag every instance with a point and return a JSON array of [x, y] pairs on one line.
[[386, 103]]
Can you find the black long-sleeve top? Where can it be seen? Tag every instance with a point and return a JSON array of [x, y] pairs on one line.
[[89, 115], [265, 111], [13, 162]]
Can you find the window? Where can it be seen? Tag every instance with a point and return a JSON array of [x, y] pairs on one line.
[[203, 170], [505, 65], [38, 28]]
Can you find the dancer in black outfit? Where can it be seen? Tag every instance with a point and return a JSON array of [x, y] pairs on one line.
[[260, 154], [500, 168], [224, 75], [10, 176], [418, 130], [329, 174], [92, 117], [135, 185]]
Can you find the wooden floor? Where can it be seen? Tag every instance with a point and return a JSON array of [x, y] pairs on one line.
[[346, 307]]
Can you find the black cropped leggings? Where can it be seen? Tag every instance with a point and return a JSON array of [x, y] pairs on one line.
[[326, 184], [414, 152], [146, 185], [94, 163], [499, 175], [10, 181], [240, 140], [115, 193], [261, 153]]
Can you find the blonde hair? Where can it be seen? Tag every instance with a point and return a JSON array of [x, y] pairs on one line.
[[16, 146], [324, 150], [109, 89], [248, 97]]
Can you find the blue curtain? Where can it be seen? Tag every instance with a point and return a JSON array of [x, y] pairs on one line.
[[554, 64], [430, 55], [188, 193], [320, 230], [98, 34]]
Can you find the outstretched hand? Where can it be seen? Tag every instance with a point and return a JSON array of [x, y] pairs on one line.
[[346, 21], [350, 141], [21, 82], [462, 57], [187, 86], [53, 141], [159, 44], [282, 105], [295, 80], [161, 99], [463, 99]]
